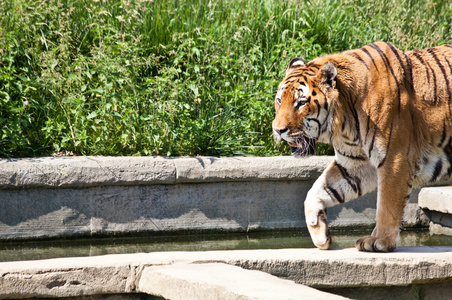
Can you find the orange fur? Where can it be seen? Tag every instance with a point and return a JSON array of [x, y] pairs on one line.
[[386, 112]]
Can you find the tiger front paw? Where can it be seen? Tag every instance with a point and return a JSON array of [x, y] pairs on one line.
[[376, 244], [318, 229]]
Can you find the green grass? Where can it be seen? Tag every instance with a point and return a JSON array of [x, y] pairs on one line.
[[175, 77]]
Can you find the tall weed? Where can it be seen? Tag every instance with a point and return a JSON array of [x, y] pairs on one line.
[[195, 77]]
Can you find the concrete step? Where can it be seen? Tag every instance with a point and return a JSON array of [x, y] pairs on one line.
[[407, 273], [221, 281], [437, 203]]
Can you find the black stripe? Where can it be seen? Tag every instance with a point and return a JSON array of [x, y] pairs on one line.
[[348, 98], [355, 117], [396, 52], [353, 181], [291, 76], [334, 194], [432, 52], [448, 152], [355, 55], [351, 156], [318, 123], [450, 69], [315, 120], [287, 82], [415, 54], [437, 171], [443, 136], [448, 63], [367, 128], [371, 147], [371, 57], [448, 45], [343, 68], [312, 65], [387, 146], [388, 65], [325, 106], [435, 90], [325, 123], [409, 73], [318, 107], [351, 144]]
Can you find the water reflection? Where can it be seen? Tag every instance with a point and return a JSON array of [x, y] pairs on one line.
[[275, 240]]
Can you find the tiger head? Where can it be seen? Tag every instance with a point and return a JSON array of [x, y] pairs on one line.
[[302, 104]]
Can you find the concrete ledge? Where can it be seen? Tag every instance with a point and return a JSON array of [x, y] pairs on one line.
[[106, 171], [424, 267], [437, 199], [85, 171], [207, 281], [437, 203], [86, 196], [211, 169]]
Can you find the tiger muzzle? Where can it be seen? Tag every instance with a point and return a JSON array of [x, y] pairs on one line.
[[305, 148]]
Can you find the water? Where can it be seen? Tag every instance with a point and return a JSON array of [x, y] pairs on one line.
[[14, 251]]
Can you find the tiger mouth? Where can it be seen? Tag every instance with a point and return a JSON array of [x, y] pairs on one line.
[[305, 147]]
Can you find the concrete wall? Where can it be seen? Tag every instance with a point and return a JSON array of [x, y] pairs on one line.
[[70, 196]]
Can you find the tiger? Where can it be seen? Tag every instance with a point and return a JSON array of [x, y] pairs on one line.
[[387, 114]]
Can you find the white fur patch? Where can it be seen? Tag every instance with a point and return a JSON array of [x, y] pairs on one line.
[[302, 91], [297, 63]]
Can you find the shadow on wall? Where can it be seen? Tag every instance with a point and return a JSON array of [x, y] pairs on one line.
[[237, 206]]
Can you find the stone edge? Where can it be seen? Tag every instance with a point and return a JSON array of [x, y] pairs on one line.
[[436, 198], [121, 273], [86, 171]]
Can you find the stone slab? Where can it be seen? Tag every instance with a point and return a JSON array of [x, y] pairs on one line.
[[437, 199], [212, 169], [435, 228], [207, 281], [85, 171], [312, 267]]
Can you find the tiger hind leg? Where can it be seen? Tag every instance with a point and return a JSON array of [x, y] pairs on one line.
[[394, 188]]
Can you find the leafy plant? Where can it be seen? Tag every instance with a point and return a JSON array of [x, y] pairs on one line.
[[195, 77]]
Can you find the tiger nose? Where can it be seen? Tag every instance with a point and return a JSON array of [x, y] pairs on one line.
[[280, 131]]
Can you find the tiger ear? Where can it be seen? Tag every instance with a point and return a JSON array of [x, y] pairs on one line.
[[327, 75], [295, 62]]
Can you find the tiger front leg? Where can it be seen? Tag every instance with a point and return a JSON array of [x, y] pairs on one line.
[[315, 213], [337, 184], [394, 189]]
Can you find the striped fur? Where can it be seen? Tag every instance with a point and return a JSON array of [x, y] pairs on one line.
[[387, 114]]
